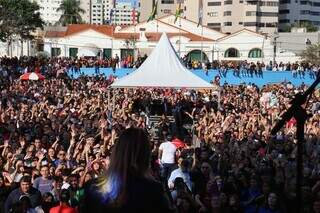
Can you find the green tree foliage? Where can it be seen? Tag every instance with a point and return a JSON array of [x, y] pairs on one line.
[[309, 26], [18, 19], [312, 54], [71, 12]]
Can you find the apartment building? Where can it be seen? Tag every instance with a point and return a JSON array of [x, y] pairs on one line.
[[105, 12], [123, 14], [227, 16], [165, 7], [230, 16], [97, 12], [295, 11]]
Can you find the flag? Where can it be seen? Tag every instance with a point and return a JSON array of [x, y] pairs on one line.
[[200, 12], [178, 13], [154, 12], [111, 15]]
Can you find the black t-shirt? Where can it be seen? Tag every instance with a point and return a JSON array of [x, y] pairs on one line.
[[144, 195]]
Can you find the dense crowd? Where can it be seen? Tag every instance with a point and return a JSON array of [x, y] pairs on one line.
[[218, 155], [237, 68]]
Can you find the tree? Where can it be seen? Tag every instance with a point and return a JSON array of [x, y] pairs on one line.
[[306, 24], [312, 54], [18, 20], [71, 12]]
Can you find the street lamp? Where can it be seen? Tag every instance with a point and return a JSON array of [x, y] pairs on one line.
[[275, 37]]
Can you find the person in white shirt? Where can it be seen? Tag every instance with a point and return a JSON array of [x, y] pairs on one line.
[[167, 153], [183, 172]]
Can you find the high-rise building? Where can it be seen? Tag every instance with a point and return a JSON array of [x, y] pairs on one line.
[[294, 11], [165, 7], [123, 14], [97, 12], [105, 12], [230, 16], [226, 16]]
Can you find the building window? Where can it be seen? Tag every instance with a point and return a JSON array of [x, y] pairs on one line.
[[227, 23], [305, 12], [255, 53], [214, 3], [265, 14], [250, 24], [240, 23], [284, 11], [166, 11], [231, 53], [251, 13], [213, 14], [284, 21], [167, 1], [227, 13], [214, 24], [55, 52], [285, 1], [272, 25], [227, 2], [73, 52], [316, 4]]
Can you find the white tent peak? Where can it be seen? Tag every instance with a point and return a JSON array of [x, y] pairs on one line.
[[162, 69]]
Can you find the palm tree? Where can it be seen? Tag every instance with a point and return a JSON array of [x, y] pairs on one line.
[[71, 12]]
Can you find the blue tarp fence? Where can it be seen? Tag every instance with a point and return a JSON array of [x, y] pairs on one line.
[[269, 77]]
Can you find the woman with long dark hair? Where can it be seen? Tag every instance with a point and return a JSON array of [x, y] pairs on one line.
[[127, 185]]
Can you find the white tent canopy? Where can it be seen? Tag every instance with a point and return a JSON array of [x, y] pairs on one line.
[[162, 69]]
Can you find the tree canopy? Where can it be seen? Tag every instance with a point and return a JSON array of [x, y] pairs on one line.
[[19, 18], [71, 12], [308, 25], [312, 54]]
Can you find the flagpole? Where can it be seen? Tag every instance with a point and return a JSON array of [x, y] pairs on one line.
[[179, 36], [201, 43]]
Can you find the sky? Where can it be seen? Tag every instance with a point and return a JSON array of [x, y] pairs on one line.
[[132, 1]]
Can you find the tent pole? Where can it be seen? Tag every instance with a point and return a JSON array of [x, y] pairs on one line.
[[108, 98], [201, 44], [113, 99], [179, 37]]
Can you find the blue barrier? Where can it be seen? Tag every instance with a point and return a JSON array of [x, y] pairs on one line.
[[269, 77]]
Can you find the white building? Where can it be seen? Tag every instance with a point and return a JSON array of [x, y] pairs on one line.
[[93, 40], [291, 12]]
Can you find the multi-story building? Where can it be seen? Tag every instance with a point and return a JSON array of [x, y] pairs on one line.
[[97, 12], [227, 16], [105, 12], [165, 7], [230, 16], [294, 11], [123, 14]]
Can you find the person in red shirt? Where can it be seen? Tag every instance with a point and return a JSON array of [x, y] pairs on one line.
[[64, 206]]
